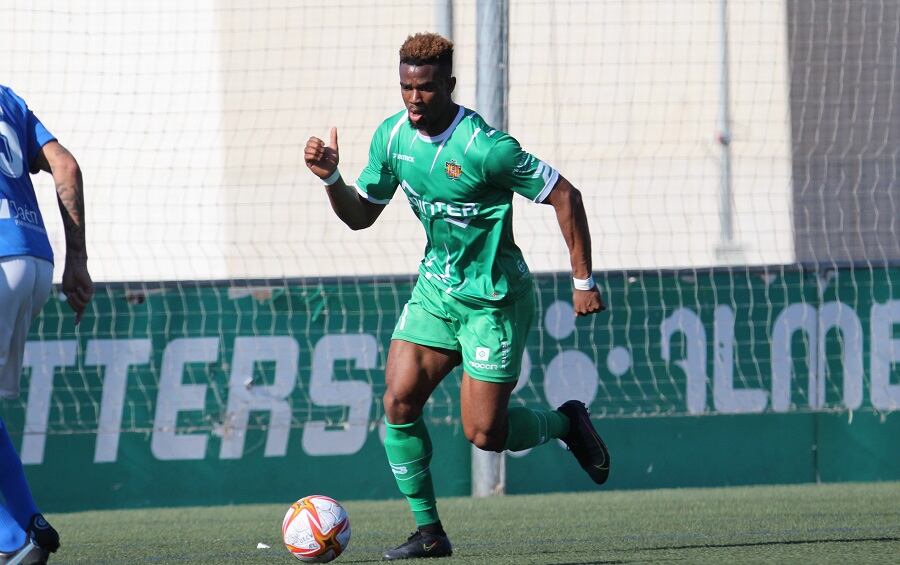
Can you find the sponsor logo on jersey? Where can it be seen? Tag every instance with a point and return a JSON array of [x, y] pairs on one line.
[[24, 217], [453, 169], [455, 212], [402, 157]]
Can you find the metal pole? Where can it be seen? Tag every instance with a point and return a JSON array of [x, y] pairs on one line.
[[727, 249], [492, 23], [443, 18], [491, 72]]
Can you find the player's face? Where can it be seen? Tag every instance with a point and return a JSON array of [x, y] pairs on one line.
[[426, 91]]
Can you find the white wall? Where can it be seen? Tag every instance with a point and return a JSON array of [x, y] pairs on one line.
[[132, 89], [189, 120]]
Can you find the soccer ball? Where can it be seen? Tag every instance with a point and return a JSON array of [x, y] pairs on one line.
[[316, 529]]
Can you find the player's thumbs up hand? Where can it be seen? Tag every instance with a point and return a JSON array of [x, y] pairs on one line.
[[333, 144], [322, 160]]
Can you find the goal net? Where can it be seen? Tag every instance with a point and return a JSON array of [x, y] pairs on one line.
[[231, 299]]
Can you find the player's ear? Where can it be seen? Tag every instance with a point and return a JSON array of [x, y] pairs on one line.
[[451, 84]]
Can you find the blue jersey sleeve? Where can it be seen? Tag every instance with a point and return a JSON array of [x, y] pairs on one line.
[[36, 135]]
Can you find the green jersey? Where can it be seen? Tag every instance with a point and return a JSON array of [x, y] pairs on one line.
[[460, 185]]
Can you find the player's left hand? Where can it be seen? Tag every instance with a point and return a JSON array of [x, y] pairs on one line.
[[587, 302], [77, 285]]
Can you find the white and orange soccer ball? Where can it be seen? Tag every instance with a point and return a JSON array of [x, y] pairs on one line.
[[316, 529]]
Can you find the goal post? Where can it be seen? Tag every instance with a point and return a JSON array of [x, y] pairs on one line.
[[492, 78]]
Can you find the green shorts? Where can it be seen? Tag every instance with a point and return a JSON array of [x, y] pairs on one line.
[[491, 339]]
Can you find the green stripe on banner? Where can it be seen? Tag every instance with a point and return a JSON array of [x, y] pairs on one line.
[[217, 392]]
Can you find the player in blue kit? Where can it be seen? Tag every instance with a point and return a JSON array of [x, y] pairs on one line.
[[26, 273]]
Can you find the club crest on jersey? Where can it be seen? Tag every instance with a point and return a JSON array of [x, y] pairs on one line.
[[453, 169]]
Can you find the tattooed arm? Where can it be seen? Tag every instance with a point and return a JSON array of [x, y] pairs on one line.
[[76, 282]]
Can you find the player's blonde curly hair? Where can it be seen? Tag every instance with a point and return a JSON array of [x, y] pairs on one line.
[[427, 49]]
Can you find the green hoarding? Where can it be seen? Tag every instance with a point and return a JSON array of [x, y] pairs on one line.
[[240, 391]]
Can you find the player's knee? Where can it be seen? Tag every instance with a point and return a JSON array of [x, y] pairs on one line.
[[487, 440], [400, 410]]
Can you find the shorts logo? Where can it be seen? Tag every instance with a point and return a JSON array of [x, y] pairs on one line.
[[453, 169], [482, 353]]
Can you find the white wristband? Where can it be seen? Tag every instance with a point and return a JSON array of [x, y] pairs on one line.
[[333, 178], [584, 284]]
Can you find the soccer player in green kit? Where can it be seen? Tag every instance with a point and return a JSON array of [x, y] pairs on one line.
[[473, 303]]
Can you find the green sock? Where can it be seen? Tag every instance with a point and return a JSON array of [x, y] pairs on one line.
[[528, 428], [408, 449]]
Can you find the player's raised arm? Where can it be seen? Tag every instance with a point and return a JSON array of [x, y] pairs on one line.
[[322, 160], [76, 282], [566, 201]]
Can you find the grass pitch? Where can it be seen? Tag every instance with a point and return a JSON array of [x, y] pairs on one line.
[[836, 523]]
